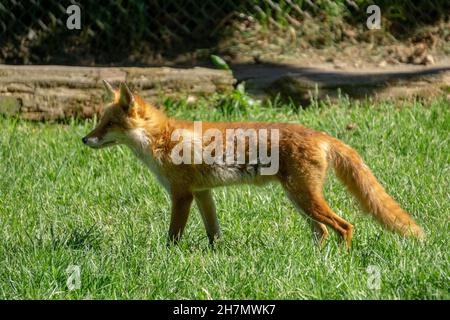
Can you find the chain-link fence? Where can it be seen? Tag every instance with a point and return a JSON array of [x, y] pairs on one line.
[[35, 31]]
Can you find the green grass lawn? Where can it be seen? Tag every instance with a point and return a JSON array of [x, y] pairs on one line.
[[64, 204]]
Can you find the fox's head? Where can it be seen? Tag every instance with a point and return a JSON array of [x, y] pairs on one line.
[[123, 115]]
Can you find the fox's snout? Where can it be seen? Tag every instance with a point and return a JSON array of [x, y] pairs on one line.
[[90, 140], [95, 142]]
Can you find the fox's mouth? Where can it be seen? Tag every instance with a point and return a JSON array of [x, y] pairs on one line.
[[104, 145]]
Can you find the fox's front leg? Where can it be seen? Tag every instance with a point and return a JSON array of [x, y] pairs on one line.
[[207, 208], [181, 204]]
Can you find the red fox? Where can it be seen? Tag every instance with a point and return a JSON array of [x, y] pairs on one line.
[[299, 159]]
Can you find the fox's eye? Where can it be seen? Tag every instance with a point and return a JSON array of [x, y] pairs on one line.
[[109, 124]]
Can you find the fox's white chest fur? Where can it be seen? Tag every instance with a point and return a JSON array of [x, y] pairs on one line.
[[140, 145]]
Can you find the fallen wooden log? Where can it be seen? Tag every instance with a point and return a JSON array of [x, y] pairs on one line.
[[304, 86], [58, 92]]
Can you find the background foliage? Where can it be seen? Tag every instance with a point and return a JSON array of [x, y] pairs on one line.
[[127, 31]]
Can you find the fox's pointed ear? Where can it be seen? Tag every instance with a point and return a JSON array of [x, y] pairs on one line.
[[110, 93], [126, 99]]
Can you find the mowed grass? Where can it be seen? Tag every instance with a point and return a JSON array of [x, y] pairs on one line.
[[64, 204]]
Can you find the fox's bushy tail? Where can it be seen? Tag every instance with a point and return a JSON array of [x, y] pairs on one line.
[[361, 182]]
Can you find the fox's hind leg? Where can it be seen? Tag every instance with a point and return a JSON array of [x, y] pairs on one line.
[[207, 208], [303, 185], [317, 209], [319, 230]]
